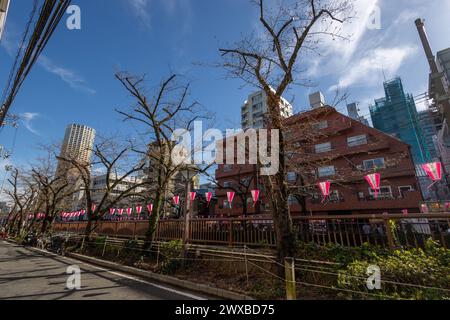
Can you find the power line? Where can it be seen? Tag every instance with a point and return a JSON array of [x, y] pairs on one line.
[[50, 15]]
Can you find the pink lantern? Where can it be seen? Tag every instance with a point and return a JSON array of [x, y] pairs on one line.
[[405, 211], [325, 189], [208, 197], [120, 211], [176, 200], [93, 207], [447, 206], [112, 211], [150, 209], [230, 196], [139, 209], [434, 171], [374, 180], [83, 212], [129, 211], [255, 196]]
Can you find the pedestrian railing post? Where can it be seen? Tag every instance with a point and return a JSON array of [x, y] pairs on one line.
[[157, 256], [389, 235], [104, 246], [82, 243], [246, 265], [289, 269]]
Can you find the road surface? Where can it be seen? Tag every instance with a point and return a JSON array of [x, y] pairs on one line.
[[29, 275]]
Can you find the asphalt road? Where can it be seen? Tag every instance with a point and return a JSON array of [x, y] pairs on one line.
[[30, 275]]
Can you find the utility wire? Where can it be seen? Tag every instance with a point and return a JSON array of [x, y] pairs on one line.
[[50, 15]]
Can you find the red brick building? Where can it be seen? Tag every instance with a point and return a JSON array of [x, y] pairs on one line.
[[325, 145]]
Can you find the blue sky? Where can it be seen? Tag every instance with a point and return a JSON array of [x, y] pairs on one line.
[[74, 80]]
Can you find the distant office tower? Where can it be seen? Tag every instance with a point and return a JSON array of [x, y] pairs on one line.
[[4, 5], [254, 111], [443, 58], [396, 114], [353, 112], [78, 142], [429, 122]]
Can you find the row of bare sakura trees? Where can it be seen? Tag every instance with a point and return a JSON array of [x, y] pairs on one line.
[[272, 58]]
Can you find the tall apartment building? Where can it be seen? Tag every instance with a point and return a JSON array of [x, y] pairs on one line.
[[396, 115], [78, 143], [342, 151], [255, 110], [4, 6]]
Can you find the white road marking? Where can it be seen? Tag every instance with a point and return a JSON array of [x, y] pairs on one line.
[[126, 276]]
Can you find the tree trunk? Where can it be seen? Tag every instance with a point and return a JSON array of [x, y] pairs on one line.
[[153, 220]]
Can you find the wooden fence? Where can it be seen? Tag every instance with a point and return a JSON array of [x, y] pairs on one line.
[[391, 231]]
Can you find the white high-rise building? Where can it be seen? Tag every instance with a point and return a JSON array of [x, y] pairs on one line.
[[255, 110], [4, 5], [78, 143]]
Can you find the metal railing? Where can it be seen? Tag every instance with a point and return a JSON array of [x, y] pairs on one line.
[[388, 231]]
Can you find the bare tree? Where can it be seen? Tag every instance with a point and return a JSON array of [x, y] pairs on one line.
[[117, 163], [22, 193], [167, 109], [271, 62], [53, 189]]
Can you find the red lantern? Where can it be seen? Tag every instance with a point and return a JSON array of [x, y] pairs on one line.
[[208, 196], [255, 196], [176, 200], [374, 180], [434, 171], [150, 209], [193, 196], [120, 211], [129, 211], [230, 196], [83, 212], [325, 189], [139, 209], [112, 211]]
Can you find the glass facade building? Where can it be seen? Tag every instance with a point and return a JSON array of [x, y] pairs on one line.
[[396, 115]]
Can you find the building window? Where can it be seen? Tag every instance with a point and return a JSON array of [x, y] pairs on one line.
[[227, 184], [374, 164], [357, 141], [404, 189], [327, 171], [227, 168], [383, 193], [324, 147], [291, 177], [320, 125], [293, 200]]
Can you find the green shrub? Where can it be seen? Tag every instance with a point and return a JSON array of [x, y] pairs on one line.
[[405, 274], [171, 253]]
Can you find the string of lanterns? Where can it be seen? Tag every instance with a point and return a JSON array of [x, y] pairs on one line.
[[433, 170]]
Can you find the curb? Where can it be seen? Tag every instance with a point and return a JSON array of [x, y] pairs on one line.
[[200, 288]]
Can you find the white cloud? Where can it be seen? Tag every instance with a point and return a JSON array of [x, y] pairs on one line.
[[68, 76], [141, 9], [368, 71], [27, 118]]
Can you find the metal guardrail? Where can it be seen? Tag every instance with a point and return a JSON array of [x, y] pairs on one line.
[[390, 231]]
